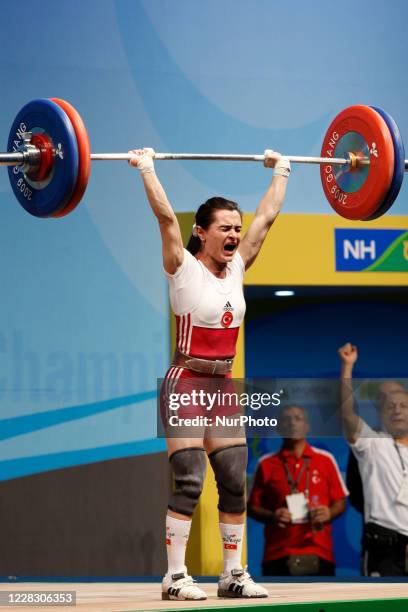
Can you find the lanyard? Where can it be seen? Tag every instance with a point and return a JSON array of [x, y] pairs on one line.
[[293, 484], [404, 469]]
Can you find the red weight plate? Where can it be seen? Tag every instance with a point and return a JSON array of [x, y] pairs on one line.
[[84, 150], [43, 143], [357, 194]]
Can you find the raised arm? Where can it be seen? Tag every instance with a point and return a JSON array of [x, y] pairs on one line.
[[268, 208], [172, 243], [351, 421]]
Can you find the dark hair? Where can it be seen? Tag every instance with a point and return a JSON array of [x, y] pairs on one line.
[[205, 216]]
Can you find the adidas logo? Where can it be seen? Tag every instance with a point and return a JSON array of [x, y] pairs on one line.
[[228, 307]]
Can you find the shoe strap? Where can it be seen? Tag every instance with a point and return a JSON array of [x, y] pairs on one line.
[[241, 575], [178, 576]]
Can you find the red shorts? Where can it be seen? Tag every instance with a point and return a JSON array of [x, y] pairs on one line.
[[188, 394]]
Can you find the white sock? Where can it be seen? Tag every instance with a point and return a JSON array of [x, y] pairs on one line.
[[232, 536], [177, 532]]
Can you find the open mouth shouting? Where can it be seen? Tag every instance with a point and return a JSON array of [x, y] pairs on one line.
[[230, 247]]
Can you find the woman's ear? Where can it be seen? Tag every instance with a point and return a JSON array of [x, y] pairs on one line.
[[200, 234]]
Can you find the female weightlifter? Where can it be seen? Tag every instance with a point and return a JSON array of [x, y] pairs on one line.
[[206, 295]]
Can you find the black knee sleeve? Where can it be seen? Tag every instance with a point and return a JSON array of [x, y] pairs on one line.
[[229, 464], [188, 465]]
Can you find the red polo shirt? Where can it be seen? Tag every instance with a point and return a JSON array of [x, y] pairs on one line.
[[269, 491]]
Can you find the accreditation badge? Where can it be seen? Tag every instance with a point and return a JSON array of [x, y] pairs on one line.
[[298, 507], [402, 497]]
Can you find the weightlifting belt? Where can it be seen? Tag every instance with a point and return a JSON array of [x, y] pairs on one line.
[[204, 366]]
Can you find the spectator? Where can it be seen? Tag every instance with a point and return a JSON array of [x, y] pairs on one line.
[[297, 541], [353, 476], [383, 463]]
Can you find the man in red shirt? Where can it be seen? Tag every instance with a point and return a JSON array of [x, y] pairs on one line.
[[308, 480]]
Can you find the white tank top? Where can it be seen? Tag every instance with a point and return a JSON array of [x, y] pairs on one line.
[[209, 310]]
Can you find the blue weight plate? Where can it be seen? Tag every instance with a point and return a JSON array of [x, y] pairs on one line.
[[399, 165], [43, 199]]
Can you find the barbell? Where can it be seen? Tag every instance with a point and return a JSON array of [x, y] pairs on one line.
[[362, 161]]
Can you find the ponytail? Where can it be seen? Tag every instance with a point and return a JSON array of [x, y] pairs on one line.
[[194, 244]]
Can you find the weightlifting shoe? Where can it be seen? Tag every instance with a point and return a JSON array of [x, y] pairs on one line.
[[181, 587], [238, 583]]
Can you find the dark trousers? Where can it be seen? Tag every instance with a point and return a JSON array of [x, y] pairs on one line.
[[385, 551], [280, 567]]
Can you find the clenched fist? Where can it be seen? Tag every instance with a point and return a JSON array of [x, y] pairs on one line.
[[348, 354]]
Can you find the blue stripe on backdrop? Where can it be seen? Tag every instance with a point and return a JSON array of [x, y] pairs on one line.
[[33, 422], [16, 468]]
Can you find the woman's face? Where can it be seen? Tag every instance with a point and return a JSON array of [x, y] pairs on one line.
[[220, 241]]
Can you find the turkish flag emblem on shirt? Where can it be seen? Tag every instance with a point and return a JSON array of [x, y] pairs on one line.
[[227, 318]]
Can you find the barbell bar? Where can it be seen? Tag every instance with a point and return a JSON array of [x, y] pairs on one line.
[[22, 158], [220, 157], [361, 164]]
